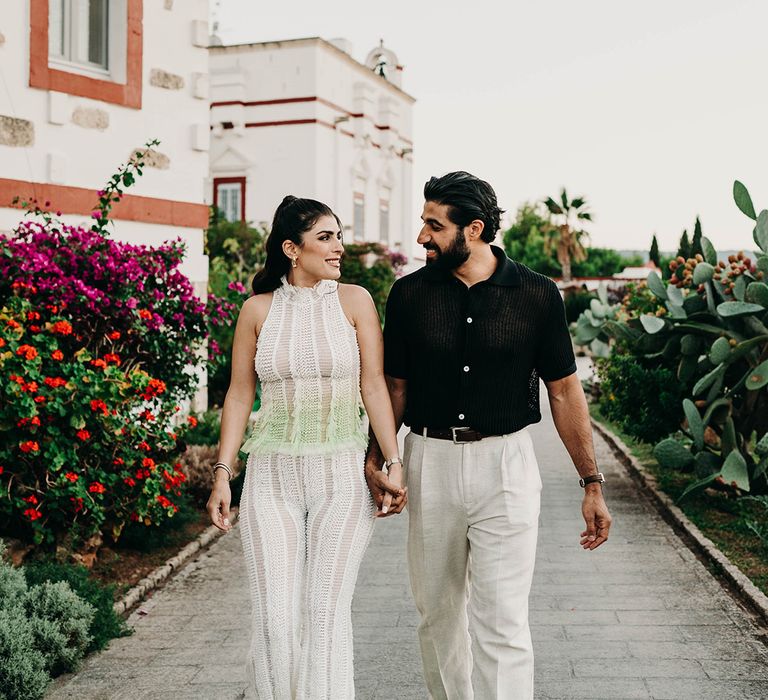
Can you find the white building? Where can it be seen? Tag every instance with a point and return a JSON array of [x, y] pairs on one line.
[[303, 117], [83, 83]]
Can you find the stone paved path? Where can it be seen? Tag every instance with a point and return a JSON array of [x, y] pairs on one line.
[[638, 618]]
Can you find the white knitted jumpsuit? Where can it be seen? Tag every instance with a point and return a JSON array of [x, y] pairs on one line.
[[306, 513]]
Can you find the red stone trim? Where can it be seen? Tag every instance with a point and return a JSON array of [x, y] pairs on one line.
[[42, 76], [314, 98], [224, 180], [80, 200]]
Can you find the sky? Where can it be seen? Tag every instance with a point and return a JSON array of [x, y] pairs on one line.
[[648, 109]]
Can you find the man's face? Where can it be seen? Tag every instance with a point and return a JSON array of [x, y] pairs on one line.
[[443, 240]]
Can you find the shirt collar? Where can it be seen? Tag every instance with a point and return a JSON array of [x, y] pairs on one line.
[[506, 273]]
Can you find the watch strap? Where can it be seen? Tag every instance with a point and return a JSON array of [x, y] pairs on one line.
[[591, 479]]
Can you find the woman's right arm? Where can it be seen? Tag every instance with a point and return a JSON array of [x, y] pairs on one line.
[[237, 404]]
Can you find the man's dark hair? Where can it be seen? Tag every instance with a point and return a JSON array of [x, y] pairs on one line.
[[468, 198]]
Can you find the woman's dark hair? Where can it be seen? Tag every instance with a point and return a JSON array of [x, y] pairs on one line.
[[468, 198], [293, 218]]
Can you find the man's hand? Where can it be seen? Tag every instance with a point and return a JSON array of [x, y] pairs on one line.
[[596, 517], [387, 493]]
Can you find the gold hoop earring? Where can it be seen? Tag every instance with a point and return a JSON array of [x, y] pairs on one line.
[[293, 262]]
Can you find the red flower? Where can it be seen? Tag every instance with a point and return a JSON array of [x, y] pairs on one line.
[[154, 388], [99, 405], [83, 435], [57, 355], [164, 502], [34, 328], [39, 399], [78, 503], [192, 421], [99, 363], [54, 382], [118, 461], [62, 328], [143, 445], [143, 313], [2, 469], [27, 351], [2, 342], [130, 481], [112, 357], [32, 513], [96, 487], [147, 415], [16, 378], [134, 516], [71, 476], [29, 446], [114, 335], [35, 420], [33, 316], [31, 499], [148, 462], [31, 387], [11, 323]]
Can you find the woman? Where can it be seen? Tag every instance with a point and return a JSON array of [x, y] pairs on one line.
[[306, 513]]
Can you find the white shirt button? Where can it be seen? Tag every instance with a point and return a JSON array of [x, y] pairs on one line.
[[469, 320], [461, 416], [466, 368]]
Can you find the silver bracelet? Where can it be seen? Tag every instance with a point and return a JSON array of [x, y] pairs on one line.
[[221, 465], [395, 460]]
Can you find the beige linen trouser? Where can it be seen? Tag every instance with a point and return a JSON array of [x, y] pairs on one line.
[[473, 521]]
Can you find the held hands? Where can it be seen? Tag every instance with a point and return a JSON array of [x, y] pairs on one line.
[[596, 517], [218, 502], [387, 490]]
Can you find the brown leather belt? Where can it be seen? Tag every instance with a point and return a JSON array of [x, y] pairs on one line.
[[457, 434]]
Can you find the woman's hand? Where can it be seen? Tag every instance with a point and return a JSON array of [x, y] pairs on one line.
[[391, 505], [218, 503]]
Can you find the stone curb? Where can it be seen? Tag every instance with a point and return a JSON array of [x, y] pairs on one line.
[[152, 581], [692, 536]]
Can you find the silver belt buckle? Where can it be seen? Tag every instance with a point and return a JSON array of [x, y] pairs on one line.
[[453, 434]]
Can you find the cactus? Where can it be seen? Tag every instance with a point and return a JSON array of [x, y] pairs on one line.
[[710, 327]]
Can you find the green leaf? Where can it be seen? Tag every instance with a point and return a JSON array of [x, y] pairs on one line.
[[690, 344], [728, 438], [708, 379], [700, 327], [652, 324], [717, 411], [602, 293], [762, 264], [761, 448], [698, 486], [761, 466], [740, 288], [708, 250], [719, 351], [675, 295], [708, 463], [672, 454], [702, 273], [735, 471], [676, 311], [599, 348], [695, 423], [738, 308], [686, 370], [760, 234], [758, 377], [757, 293], [743, 200], [746, 346], [656, 285], [598, 309], [693, 303]]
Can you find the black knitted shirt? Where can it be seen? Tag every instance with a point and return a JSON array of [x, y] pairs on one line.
[[472, 356]]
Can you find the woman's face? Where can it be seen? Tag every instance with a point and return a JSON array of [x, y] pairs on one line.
[[320, 254]]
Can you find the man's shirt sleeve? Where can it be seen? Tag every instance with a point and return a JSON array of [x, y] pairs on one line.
[[555, 358], [395, 336]]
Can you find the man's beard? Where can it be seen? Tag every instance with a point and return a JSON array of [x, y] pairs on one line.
[[455, 255]]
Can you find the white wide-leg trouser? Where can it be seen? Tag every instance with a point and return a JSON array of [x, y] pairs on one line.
[[473, 522], [306, 523]]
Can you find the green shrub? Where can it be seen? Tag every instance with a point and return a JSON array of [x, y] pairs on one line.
[[60, 621], [378, 278], [206, 430], [577, 302], [106, 624], [147, 537], [644, 401], [22, 666]]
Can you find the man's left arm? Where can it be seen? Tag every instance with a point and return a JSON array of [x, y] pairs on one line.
[[571, 416]]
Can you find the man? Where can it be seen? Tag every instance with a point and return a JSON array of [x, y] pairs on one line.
[[467, 338]]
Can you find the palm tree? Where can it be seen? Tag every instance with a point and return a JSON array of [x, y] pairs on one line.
[[565, 234]]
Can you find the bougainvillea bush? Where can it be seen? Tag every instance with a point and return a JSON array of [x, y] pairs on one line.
[[99, 348]]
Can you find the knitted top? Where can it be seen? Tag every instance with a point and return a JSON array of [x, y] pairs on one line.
[[308, 362]]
